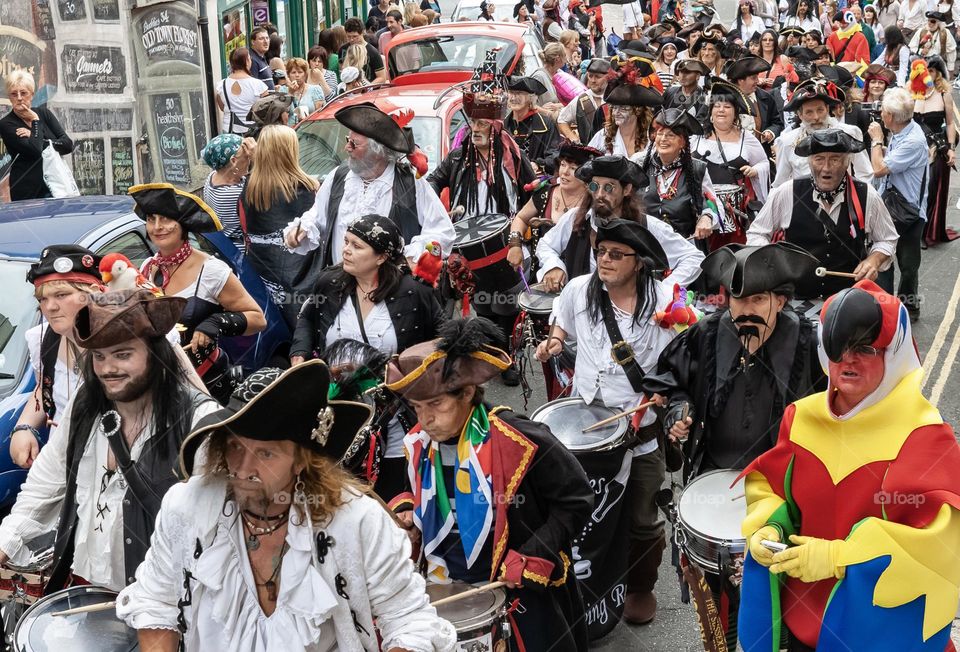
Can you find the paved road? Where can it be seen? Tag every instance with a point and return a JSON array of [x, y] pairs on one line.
[[937, 335]]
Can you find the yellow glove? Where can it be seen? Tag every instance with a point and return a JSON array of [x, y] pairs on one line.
[[760, 554], [810, 559]]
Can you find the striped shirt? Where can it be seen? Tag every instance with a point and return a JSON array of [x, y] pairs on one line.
[[223, 200]]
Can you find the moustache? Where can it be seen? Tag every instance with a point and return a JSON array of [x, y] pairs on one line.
[[750, 319], [251, 478]]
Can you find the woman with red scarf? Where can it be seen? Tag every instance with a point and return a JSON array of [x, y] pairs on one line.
[[217, 303]]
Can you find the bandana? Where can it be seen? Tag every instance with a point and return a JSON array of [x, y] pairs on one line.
[[826, 196], [220, 150], [472, 492], [380, 233], [167, 265]]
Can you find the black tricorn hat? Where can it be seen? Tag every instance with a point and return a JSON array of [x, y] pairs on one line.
[[746, 270], [167, 200], [284, 405], [612, 167], [598, 66], [745, 67], [815, 89], [837, 74], [368, 120], [828, 140], [635, 236], [576, 152], [633, 95], [66, 262], [679, 120], [692, 65], [801, 52], [723, 91], [938, 15], [690, 29], [791, 31], [526, 85], [664, 40]]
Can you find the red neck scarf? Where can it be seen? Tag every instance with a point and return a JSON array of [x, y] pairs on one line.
[[167, 265]]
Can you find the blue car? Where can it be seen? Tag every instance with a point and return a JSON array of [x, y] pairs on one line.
[[103, 225]]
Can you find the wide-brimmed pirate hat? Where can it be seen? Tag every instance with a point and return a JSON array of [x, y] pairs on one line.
[[712, 35], [746, 270], [681, 120], [576, 153], [938, 15], [633, 95], [67, 262], [284, 405], [269, 110], [837, 74], [165, 199], [815, 89], [791, 31], [827, 141], [635, 236], [114, 317], [746, 66], [882, 73], [367, 119], [663, 41], [692, 65], [619, 168], [526, 85], [463, 355], [723, 91]]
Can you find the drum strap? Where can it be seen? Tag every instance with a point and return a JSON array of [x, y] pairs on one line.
[[144, 493], [621, 350]]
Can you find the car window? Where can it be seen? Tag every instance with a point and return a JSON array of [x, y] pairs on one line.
[[321, 143], [457, 120], [18, 312], [131, 244], [461, 52], [503, 11], [532, 46]]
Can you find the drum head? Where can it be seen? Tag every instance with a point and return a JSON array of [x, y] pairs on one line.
[[478, 228], [711, 507], [477, 610], [39, 631], [567, 417], [537, 300], [726, 188]]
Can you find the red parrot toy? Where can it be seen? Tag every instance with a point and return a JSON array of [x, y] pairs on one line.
[[429, 264]]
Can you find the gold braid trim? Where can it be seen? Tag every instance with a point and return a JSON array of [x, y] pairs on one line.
[[514, 481]]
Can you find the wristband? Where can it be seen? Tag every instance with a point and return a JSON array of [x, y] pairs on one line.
[[227, 324], [33, 431]]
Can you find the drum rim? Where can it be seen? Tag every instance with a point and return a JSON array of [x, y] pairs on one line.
[[685, 523], [486, 618], [531, 309], [605, 444], [84, 589], [729, 187]]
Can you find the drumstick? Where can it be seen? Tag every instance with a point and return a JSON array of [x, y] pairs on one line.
[[523, 278], [466, 594], [625, 413], [90, 608], [823, 271]]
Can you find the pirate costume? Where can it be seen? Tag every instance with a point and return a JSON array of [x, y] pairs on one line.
[[335, 577], [535, 133], [505, 500]]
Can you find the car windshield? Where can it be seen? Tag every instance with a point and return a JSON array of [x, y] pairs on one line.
[[461, 52], [322, 141], [502, 12], [18, 312]]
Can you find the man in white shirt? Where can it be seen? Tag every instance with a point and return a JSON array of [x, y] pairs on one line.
[[99, 480], [274, 546], [373, 180], [610, 315], [575, 121], [812, 100], [935, 38], [839, 219]]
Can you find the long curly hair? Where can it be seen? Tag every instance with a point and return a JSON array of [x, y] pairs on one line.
[[641, 135], [686, 160]]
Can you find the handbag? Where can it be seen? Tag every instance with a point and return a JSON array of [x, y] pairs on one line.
[[904, 212], [57, 174]]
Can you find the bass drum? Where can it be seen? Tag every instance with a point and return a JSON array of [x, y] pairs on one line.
[[40, 631]]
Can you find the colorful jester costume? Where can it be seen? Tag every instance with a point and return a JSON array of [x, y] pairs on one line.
[[875, 490]]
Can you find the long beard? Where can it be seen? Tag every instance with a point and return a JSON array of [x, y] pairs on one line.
[[365, 165]]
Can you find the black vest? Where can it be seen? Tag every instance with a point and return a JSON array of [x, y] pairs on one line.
[[403, 212], [682, 210], [139, 512], [839, 248], [585, 115]]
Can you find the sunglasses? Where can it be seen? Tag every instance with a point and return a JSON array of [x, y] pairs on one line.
[[613, 254], [608, 188], [350, 142]]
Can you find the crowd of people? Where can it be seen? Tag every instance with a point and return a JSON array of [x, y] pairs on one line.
[[727, 224]]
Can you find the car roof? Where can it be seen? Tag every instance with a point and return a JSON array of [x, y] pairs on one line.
[[26, 227], [514, 31], [421, 98]]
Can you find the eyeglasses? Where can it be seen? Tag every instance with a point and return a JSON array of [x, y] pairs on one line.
[[864, 351], [613, 254], [665, 134], [350, 142], [608, 188], [20, 93]]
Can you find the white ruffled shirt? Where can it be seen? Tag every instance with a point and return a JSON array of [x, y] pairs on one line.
[[367, 551]]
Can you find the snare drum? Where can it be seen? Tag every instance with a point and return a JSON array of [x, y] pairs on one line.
[[537, 304], [480, 620], [40, 631], [567, 417], [482, 241], [709, 514]]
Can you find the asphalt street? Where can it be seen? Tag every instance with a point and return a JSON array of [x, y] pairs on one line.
[[937, 335]]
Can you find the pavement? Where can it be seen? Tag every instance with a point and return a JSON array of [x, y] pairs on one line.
[[937, 335]]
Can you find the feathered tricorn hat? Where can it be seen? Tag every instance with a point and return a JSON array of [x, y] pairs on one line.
[[463, 355], [635, 71]]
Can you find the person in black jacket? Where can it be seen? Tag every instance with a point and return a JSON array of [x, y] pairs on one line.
[[496, 496], [24, 132], [370, 297], [765, 119]]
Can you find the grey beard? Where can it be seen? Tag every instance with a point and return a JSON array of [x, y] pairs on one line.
[[365, 166]]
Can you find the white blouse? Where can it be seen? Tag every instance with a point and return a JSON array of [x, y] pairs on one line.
[[209, 284], [749, 147], [65, 382]]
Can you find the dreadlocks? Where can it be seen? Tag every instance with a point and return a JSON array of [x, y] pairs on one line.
[[497, 199]]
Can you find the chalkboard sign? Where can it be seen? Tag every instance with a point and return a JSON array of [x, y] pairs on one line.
[[106, 10], [171, 137], [198, 120], [43, 20], [121, 154], [93, 69], [88, 166], [72, 9], [169, 34], [96, 120], [16, 13]]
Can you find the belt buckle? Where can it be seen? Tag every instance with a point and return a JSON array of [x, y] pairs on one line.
[[620, 345]]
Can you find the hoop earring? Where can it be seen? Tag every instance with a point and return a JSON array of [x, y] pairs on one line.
[[299, 495]]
